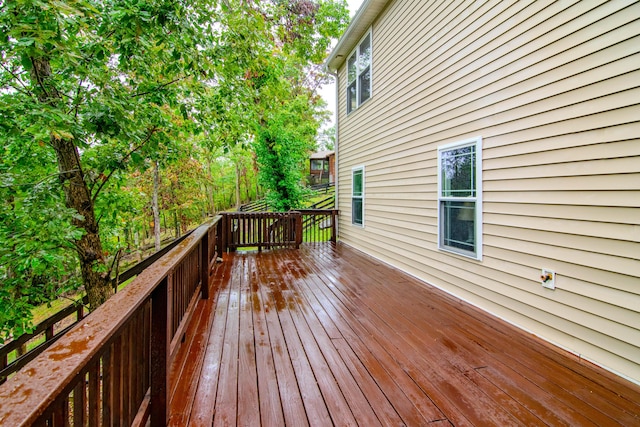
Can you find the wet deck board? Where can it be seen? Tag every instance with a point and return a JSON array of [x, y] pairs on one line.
[[325, 335]]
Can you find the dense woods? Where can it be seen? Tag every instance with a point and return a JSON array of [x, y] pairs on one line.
[[119, 118]]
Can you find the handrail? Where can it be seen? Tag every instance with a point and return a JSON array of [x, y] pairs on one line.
[[268, 230], [260, 205], [326, 203], [261, 229], [47, 325], [319, 225], [325, 187], [113, 365]]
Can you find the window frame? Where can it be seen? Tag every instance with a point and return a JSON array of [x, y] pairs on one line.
[[477, 199], [360, 197], [315, 162], [359, 72]]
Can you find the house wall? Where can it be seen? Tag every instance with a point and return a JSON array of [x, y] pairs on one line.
[[554, 92]]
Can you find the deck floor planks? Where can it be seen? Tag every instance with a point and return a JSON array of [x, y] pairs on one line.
[[372, 267], [460, 402], [248, 401], [207, 386], [226, 402], [407, 399], [316, 341], [382, 338], [291, 397], [489, 369], [530, 371], [465, 362], [270, 406], [327, 324], [564, 414], [331, 395], [572, 392], [187, 370], [432, 338], [345, 346]]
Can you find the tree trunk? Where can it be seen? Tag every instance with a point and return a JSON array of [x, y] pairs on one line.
[[247, 185], [77, 194], [238, 196], [255, 174], [89, 246], [137, 244], [176, 223], [156, 210]]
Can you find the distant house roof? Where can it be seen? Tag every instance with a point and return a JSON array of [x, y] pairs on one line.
[[321, 155], [359, 25]]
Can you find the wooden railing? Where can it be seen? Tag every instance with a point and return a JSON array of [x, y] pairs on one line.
[[323, 187], [262, 230], [319, 225], [71, 315], [268, 230], [326, 203], [255, 206], [48, 330], [112, 368]]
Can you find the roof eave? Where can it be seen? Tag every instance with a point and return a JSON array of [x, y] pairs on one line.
[[359, 25]]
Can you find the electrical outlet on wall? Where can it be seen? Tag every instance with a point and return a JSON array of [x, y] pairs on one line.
[[548, 278]]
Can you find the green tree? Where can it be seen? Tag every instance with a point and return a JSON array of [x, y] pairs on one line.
[[283, 142], [92, 91], [272, 85], [95, 82]]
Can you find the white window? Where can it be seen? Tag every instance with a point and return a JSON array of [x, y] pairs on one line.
[[357, 196], [460, 198], [359, 74]]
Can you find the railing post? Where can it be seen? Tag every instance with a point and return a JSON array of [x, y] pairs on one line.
[[219, 233], [160, 355], [297, 216], [334, 226], [204, 265], [224, 234]]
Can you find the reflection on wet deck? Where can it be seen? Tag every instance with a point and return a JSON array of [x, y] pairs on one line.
[[326, 336]]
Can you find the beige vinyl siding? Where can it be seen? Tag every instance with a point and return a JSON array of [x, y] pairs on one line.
[[554, 92]]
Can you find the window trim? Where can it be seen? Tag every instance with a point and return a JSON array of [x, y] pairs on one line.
[[356, 52], [322, 163], [477, 142], [362, 197]]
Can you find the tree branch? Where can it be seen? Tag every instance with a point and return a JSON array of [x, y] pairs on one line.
[[33, 184], [25, 90], [135, 95], [116, 264], [136, 148], [36, 72]]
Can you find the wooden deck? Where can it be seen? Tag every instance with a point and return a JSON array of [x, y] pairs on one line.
[[326, 336]]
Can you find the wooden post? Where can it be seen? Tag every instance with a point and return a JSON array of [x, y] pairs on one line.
[[334, 226], [204, 265], [48, 334], [220, 233], [297, 216], [159, 355], [225, 233]]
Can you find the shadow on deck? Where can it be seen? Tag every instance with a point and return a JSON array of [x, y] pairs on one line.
[[326, 336]]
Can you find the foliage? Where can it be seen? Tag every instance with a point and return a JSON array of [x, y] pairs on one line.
[[278, 90], [283, 143], [327, 139], [93, 91]]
